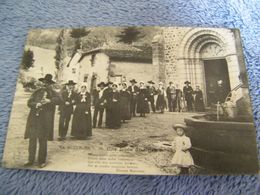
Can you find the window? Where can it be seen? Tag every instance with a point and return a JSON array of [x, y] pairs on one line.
[[93, 59], [73, 70], [85, 78]]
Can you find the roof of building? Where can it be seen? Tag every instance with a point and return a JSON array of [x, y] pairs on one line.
[[122, 52]]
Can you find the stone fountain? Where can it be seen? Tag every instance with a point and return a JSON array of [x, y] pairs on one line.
[[225, 142]]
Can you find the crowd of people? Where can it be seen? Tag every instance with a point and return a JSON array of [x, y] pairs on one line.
[[118, 102]]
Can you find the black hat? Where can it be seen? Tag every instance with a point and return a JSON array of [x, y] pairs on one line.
[[101, 83], [70, 82], [109, 82], [170, 82], [151, 82], [47, 79], [187, 82], [133, 81], [184, 127]]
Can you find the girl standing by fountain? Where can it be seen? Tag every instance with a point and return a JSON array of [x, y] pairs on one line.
[[181, 145]]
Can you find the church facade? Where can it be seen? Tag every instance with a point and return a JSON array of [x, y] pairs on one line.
[[199, 55]]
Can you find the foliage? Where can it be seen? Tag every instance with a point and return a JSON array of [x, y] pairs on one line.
[[28, 59], [77, 34], [28, 82], [59, 51], [130, 35], [93, 42]]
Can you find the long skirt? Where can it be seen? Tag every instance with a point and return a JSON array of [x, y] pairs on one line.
[[113, 116], [125, 109], [199, 105], [160, 103], [142, 106], [81, 122]]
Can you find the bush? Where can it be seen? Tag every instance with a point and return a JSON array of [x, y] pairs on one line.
[[28, 82]]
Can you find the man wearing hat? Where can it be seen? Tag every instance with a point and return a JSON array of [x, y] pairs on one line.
[[151, 93], [108, 88], [68, 97], [98, 103], [171, 96], [40, 122], [188, 91], [134, 90]]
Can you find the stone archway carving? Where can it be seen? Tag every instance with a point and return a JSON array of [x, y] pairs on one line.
[[190, 52]]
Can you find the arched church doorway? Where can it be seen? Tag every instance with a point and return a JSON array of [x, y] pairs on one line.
[[215, 70]]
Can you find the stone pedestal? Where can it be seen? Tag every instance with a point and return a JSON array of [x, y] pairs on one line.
[[227, 147]]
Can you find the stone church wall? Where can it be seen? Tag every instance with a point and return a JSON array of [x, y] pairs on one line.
[[184, 50]]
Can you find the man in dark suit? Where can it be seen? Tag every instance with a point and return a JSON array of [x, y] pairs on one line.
[[151, 93], [171, 96], [133, 89], [98, 103], [106, 94], [188, 95], [66, 108], [40, 122], [220, 92]]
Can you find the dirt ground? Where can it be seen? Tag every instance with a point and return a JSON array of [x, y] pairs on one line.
[[141, 139]]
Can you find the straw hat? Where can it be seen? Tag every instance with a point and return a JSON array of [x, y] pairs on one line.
[[175, 126]]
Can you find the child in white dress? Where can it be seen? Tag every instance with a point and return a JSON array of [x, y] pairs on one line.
[[181, 144]]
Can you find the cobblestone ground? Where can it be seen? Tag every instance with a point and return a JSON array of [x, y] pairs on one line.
[[145, 134]]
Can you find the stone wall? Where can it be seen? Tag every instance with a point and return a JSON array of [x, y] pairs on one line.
[[133, 70], [98, 67], [174, 66]]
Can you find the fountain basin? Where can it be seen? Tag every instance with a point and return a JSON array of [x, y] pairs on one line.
[[223, 146]]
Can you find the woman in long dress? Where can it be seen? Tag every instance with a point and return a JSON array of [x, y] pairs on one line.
[[81, 123], [113, 108], [142, 100], [125, 103], [160, 102], [198, 100]]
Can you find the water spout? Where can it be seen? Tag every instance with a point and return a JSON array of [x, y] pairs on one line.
[[218, 110]]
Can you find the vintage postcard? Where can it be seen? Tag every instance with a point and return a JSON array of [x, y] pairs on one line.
[[133, 100]]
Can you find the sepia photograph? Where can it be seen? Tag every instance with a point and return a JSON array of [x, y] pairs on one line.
[[140, 100]]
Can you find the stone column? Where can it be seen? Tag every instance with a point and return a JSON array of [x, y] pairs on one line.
[[158, 59], [233, 70], [239, 50]]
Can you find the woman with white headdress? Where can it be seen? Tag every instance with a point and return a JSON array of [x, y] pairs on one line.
[[160, 102], [142, 100], [125, 103], [81, 123]]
